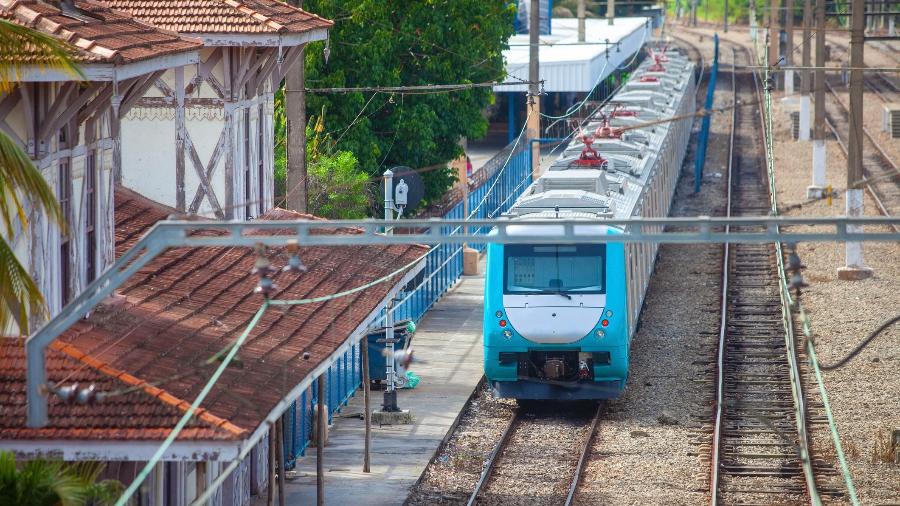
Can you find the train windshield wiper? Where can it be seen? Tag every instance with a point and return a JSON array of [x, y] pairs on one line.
[[564, 294]]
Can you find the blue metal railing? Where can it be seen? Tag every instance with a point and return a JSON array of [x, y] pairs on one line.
[[507, 175]]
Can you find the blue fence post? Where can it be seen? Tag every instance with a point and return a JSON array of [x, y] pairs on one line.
[[700, 159]]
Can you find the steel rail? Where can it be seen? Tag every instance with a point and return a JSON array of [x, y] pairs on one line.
[[720, 355], [582, 459], [844, 149], [489, 464]]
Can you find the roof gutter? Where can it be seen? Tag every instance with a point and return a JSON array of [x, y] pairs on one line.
[[267, 39], [108, 71]]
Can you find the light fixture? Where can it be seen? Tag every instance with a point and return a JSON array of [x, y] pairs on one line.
[[507, 334], [600, 333], [499, 314]]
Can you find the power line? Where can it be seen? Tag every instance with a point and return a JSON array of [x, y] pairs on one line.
[[418, 89]]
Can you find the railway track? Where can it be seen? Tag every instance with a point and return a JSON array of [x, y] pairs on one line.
[[541, 447], [760, 450], [881, 173]]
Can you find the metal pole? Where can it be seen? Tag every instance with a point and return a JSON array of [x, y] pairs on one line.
[[611, 12], [805, 75], [279, 446], [390, 391], [321, 422], [818, 155], [789, 48], [855, 266], [581, 15], [270, 493], [364, 348], [534, 98], [388, 199]]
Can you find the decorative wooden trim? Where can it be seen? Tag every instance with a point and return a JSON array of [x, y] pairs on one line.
[[136, 93], [229, 135], [201, 173], [210, 168], [179, 139], [25, 90], [164, 88], [205, 73]]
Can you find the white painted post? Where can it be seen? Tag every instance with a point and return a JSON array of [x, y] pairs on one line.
[[804, 117], [817, 187]]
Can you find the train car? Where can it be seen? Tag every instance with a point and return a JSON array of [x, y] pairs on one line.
[[559, 318]]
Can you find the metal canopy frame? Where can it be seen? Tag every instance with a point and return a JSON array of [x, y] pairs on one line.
[[174, 234]]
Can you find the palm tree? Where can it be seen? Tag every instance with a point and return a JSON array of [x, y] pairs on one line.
[[53, 483], [22, 186]]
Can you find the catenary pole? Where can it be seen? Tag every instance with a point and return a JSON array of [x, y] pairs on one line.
[[534, 97], [725, 18], [774, 32], [854, 267], [805, 75], [788, 47], [611, 11], [581, 16], [818, 149]]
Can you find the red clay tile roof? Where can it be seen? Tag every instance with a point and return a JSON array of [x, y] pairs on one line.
[[187, 304], [223, 16], [106, 36], [144, 413]]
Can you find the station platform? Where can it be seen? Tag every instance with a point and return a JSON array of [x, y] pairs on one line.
[[448, 350]]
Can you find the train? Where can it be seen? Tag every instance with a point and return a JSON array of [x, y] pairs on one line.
[[559, 318]]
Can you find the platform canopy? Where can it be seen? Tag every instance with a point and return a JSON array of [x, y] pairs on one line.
[[566, 65]]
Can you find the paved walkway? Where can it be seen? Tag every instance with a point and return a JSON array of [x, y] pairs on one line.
[[448, 342]]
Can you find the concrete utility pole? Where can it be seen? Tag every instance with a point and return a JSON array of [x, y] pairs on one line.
[[725, 18], [534, 89], [805, 75], [789, 48], [818, 153], [611, 11], [295, 114], [752, 20], [855, 267], [581, 15]]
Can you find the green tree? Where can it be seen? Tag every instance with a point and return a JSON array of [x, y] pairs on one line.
[[337, 187], [22, 187], [52, 483], [402, 43]]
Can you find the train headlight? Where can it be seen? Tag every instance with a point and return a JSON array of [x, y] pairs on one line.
[[499, 314], [600, 333], [609, 314], [507, 334]]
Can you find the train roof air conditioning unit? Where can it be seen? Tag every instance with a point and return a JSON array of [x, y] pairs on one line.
[[588, 180]]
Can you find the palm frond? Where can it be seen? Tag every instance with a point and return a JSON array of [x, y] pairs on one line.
[[19, 295], [17, 173], [21, 46]]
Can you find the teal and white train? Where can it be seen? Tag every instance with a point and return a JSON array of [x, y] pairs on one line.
[[559, 319]]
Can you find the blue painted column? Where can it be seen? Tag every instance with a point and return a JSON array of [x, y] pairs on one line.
[[700, 159]]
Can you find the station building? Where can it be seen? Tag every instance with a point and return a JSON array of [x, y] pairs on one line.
[[173, 116]]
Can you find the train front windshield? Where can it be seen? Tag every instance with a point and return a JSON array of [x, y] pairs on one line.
[[536, 269]]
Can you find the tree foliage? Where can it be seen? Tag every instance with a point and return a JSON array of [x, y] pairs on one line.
[[53, 483], [402, 43], [337, 187]]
